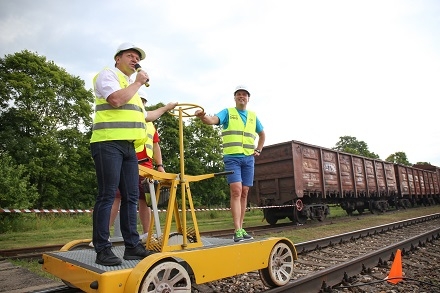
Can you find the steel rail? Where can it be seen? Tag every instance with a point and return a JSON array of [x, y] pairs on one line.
[[325, 279]]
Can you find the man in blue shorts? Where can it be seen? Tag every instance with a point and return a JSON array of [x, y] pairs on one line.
[[240, 129]]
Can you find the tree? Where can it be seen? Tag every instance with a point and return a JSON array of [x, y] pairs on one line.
[[45, 119], [423, 163], [16, 190], [350, 144], [398, 158], [205, 156]]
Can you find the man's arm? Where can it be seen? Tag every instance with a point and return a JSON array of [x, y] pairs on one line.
[[210, 120], [153, 115], [261, 139], [122, 96], [157, 157]]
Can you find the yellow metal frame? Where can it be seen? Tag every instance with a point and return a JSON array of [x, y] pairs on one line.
[[172, 181]]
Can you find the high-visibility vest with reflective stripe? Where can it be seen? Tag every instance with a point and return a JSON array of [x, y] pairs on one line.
[[126, 122], [239, 138], [149, 142]]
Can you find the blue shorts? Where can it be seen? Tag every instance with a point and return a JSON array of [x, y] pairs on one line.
[[243, 168]]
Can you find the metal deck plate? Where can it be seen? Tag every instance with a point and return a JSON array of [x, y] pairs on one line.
[[86, 257]]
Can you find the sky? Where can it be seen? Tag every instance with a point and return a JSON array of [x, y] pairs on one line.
[[317, 70]]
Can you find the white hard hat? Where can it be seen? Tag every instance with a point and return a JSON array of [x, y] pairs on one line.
[[127, 46], [143, 95], [242, 88]]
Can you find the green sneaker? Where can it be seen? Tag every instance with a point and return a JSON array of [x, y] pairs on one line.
[[238, 236], [246, 236]]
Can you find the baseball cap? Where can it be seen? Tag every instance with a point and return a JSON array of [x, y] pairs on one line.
[[242, 88], [129, 46]]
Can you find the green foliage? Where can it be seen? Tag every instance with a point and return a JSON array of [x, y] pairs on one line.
[[423, 163], [44, 115], [204, 153], [398, 158], [350, 144], [45, 129], [15, 189]]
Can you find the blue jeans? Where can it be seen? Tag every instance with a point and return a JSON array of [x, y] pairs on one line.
[[116, 167]]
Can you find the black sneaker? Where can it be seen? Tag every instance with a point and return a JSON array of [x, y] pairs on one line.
[[106, 257], [138, 252]]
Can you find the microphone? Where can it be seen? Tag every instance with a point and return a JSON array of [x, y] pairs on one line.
[[139, 68]]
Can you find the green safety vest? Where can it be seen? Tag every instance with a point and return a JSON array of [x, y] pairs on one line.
[[149, 143], [239, 138], [126, 122]]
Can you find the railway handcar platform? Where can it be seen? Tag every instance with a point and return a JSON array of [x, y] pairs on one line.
[[174, 270], [182, 257]]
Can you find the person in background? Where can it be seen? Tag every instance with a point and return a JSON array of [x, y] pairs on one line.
[[147, 153], [118, 129], [239, 131]]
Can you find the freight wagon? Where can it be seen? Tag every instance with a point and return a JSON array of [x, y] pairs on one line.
[[298, 181]]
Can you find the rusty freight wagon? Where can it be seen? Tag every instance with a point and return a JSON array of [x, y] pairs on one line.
[[299, 180], [419, 184]]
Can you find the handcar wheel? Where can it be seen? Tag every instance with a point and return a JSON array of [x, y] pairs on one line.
[[176, 238], [166, 277], [280, 266]]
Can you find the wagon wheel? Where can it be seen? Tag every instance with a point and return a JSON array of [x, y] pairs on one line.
[[349, 211], [299, 217], [270, 216], [321, 216], [166, 277], [280, 266], [184, 108]]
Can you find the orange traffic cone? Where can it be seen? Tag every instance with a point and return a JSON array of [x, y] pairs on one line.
[[396, 274]]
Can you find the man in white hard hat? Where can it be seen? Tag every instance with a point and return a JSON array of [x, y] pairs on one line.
[[238, 152], [118, 129]]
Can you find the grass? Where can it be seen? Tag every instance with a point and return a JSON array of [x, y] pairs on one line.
[[39, 230]]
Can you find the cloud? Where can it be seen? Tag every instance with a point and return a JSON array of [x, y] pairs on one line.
[[317, 70]]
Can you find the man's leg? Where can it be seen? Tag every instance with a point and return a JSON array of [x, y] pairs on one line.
[[129, 197], [108, 159]]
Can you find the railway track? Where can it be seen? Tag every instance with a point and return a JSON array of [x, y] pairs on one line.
[[324, 264], [32, 253], [36, 252]]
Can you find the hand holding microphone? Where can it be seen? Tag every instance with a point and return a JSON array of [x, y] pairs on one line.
[[139, 68]]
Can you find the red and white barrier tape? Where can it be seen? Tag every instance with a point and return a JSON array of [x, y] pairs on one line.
[[73, 211], [43, 211]]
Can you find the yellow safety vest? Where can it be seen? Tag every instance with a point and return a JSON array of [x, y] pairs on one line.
[[239, 138], [149, 143], [126, 122]]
